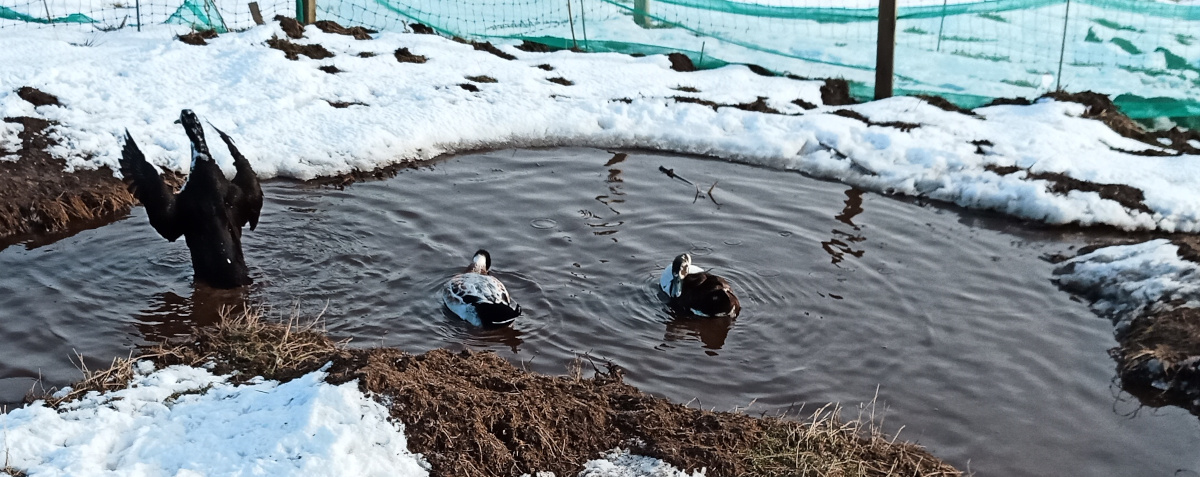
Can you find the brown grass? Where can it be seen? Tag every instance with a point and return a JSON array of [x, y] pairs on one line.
[[1164, 348], [475, 414], [12, 471]]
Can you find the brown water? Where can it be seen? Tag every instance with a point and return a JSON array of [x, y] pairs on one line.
[[949, 314]]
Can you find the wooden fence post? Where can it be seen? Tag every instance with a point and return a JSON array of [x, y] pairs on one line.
[[885, 50], [641, 13], [310, 12], [255, 13]]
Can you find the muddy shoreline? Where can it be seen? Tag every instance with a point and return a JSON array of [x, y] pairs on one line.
[[476, 414]]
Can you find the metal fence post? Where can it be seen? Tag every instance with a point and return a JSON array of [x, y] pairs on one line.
[[885, 50], [1062, 50], [137, 10], [306, 11]]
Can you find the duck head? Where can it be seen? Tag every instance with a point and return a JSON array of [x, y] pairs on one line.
[[195, 131], [481, 263], [679, 269]]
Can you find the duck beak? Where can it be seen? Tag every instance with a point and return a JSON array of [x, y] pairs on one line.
[[178, 121], [676, 287]]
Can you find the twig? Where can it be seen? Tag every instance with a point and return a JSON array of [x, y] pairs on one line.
[[710, 194], [671, 173]]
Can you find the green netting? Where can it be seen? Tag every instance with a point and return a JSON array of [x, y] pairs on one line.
[[200, 15], [10, 14]]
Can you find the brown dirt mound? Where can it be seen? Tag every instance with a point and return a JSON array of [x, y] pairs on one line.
[[803, 104], [359, 33], [475, 414], [1009, 101], [545, 67], [36, 97], [686, 89], [469, 87], [1101, 108], [37, 197], [344, 104], [405, 56], [901, 125], [292, 28], [490, 48], [759, 105], [836, 92], [680, 62], [1158, 358], [292, 51], [197, 37], [421, 28], [1130, 197], [561, 80], [329, 69]]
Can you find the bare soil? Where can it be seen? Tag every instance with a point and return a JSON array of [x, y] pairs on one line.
[[561, 80], [37, 197], [197, 37], [490, 48], [1130, 197], [292, 51], [901, 125], [291, 27], [359, 33], [475, 414], [836, 92], [405, 56], [680, 62]]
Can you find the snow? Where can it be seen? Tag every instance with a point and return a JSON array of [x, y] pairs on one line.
[[279, 114], [188, 422], [1127, 279], [185, 421]]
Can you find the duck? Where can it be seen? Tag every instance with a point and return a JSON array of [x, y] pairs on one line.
[[209, 211], [700, 293], [479, 298]]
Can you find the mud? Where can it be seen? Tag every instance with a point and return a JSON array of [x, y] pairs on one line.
[[561, 80], [37, 197], [758, 70], [534, 47], [804, 104], [405, 56], [836, 92], [481, 79], [680, 62], [197, 37], [1158, 358], [469, 87], [944, 104], [686, 89], [901, 125], [1130, 197], [475, 414], [421, 28], [292, 51], [359, 33], [344, 104], [490, 48], [545, 67], [329, 69], [36, 97], [291, 27]]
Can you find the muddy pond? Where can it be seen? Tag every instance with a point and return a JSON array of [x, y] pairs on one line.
[[949, 315]]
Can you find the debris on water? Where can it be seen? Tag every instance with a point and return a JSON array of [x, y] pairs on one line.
[[671, 173]]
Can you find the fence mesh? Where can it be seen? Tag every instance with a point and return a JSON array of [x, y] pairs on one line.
[[1146, 53]]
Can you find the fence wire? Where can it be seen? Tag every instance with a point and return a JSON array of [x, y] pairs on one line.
[[1145, 52]]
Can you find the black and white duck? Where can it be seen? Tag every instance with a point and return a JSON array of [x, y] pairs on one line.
[[695, 291], [479, 298], [209, 211]]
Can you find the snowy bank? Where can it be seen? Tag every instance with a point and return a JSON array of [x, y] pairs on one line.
[[370, 110], [248, 396], [1149, 290]]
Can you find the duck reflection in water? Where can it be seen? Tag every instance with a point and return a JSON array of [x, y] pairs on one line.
[[171, 315], [711, 332], [509, 336]]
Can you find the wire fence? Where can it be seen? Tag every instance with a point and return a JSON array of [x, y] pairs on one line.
[[1146, 53]]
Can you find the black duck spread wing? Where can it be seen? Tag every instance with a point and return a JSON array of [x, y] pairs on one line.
[[150, 189], [247, 197]]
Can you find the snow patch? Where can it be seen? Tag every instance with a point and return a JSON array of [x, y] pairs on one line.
[[1127, 279]]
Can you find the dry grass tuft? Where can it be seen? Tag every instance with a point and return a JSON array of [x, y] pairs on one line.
[[116, 376], [826, 445], [12, 471]]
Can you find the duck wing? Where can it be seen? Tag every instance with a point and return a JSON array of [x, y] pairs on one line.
[[150, 189], [245, 197]]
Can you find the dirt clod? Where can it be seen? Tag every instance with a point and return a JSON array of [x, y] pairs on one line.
[[292, 51], [545, 67], [37, 97], [292, 28], [534, 47], [758, 70], [469, 87], [901, 125], [329, 69], [421, 28], [344, 104], [481, 79], [943, 103], [686, 89], [680, 62], [197, 37], [561, 80], [803, 104], [359, 33], [405, 56], [490, 48], [836, 92], [366, 54]]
